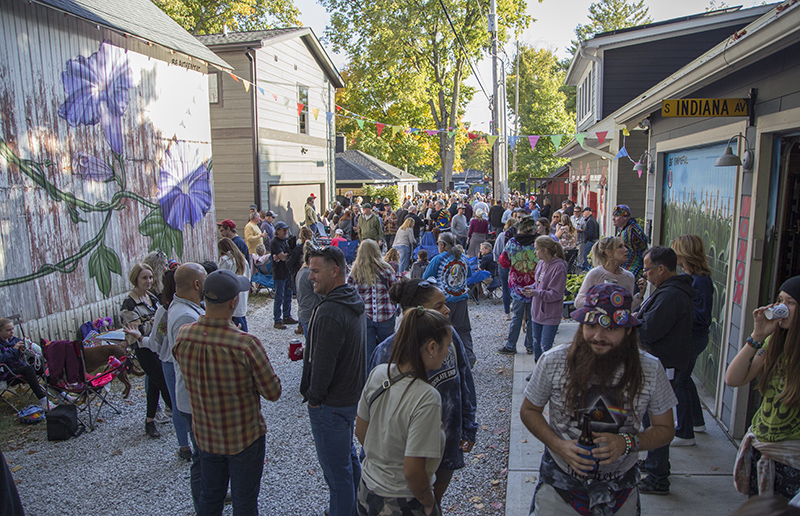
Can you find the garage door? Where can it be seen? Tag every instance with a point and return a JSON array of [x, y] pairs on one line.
[[288, 202]]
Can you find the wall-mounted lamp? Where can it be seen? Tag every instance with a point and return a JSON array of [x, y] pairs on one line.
[[729, 159], [643, 164]]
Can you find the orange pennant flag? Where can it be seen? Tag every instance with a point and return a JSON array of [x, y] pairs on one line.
[[233, 77], [300, 108]]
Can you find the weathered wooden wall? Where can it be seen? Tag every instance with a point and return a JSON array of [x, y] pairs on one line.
[[167, 111]]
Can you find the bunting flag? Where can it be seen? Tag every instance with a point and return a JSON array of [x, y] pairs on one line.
[[450, 134], [246, 86], [286, 102], [275, 96], [233, 77], [300, 109], [338, 108], [622, 153], [512, 140], [432, 132], [261, 90], [472, 136], [380, 127], [625, 131], [394, 130], [491, 139], [315, 111], [534, 140], [360, 122], [640, 173], [329, 116], [412, 130], [556, 139], [601, 136], [580, 137]]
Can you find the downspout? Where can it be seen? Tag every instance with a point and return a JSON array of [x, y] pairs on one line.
[[254, 99]]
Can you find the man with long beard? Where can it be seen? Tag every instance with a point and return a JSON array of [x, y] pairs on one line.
[[604, 374]]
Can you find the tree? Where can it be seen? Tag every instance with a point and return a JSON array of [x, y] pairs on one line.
[[608, 15], [415, 37], [477, 155], [542, 111], [211, 16]]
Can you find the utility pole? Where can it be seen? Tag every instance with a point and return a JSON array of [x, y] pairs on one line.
[[500, 154], [516, 111]]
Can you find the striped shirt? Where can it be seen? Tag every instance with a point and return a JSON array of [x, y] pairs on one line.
[[226, 371]]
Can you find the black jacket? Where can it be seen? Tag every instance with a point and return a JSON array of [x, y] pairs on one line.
[[496, 216], [667, 315], [591, 231], [334, 361]]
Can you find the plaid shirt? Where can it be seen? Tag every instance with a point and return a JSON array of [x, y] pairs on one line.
[[225, 372], [377, 304]]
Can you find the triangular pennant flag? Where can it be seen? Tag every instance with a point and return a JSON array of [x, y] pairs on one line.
[[338, 108], [286, 102], [472, 136], [329, 115], [512, 140], [432, 132], [622, 153], [556, 139], [360, 122], [379, 127], [451, 134], [640, 173], [300, 107], [395, 129], [233, 77], [580, 137], [246, 86], [261, 90], [601, 136], [275, 96], [534, 140], [413, 130], [491, 139], [625, 131]]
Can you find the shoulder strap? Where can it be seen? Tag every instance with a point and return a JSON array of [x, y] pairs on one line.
[[385, 387]]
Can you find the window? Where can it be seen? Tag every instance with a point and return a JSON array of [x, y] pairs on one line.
[[585, 98], [302, 98], [213, 88]]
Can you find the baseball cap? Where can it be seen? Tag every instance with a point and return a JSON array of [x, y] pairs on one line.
[[339, 231], [367, 206], [608, 305], [228, 223], [312, 195], [587, 209], [280, 225], [271, 213], [223, 285], [253, 207]]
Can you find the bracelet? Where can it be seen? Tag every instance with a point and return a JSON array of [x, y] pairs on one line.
[[631, 444], [755, 345]]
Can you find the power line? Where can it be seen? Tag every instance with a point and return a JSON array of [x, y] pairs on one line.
[[463, 49]]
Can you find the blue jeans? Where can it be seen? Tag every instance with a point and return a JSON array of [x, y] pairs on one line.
[[405, 257], [332, 429], [283, 298], [506, 292], [543, 337], [587, 250], [689, 410], [181, 432], [195, 477], [377, 332], [520, 309], [237, 321], [657, 463], [244, 471]]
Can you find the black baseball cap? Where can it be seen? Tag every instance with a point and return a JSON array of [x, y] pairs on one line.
[[223, 285]]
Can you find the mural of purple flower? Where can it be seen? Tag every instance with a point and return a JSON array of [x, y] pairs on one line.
[[184, 187], [97, 92], [90, 167]]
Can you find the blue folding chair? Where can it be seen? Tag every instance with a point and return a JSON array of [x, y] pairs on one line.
[[428, 243], [349, 249]]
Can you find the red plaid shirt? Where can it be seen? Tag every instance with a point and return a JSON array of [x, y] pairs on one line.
[[377, 304], [226, 372]]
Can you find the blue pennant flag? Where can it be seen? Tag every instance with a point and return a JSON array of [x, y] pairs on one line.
[[512, 140], [622, 153]]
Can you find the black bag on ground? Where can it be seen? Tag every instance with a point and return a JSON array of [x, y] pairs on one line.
[[62, 423]]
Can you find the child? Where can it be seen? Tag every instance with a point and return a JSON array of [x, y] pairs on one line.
[[418, 268], [392, 257]]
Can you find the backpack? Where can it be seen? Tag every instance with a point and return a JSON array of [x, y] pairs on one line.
[[31, 415], [62, 423]]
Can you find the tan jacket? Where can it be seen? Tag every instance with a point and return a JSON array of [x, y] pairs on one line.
[[252, 237]]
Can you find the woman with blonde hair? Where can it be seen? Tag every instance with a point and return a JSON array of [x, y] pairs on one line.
[[769, 456], [404, 243], [392, 257], [157, 261], [232, 259], [372, 277], [547, 293], [610, 252], [692, 259]]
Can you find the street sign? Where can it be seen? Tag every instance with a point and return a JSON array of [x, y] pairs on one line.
[[704, 107]]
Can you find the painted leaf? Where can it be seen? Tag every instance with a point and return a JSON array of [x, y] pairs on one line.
[[102, 263]]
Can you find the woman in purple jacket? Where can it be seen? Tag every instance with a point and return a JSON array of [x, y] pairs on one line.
[[547, 292]]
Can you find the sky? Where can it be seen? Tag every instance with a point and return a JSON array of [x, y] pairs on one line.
[[553, 29]]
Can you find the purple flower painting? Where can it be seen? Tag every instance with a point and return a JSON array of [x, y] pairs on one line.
[[97, 92], [184, 187], [90, 167]]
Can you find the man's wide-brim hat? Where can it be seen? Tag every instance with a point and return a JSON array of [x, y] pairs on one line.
[[608, 305], [622, 209]]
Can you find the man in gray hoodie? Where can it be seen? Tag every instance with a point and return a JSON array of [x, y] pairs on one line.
[[334, 373]]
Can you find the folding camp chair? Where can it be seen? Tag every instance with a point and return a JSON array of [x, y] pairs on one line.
[[349, 249], [67, 369], [262, 277], [14, 389], [428, 243]]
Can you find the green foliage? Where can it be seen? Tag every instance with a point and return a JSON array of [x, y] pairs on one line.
[[715, 6], [608, 15], [387, 192], [477, 154], [543, 111], [102, 263], [574, 282], [210, 16], [162, 237], [410, 48]]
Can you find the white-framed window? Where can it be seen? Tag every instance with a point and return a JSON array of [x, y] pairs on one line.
[[302, 98], [586, 98], [214, 90]]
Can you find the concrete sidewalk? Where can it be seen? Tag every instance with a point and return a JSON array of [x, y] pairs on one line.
[[702, 475]]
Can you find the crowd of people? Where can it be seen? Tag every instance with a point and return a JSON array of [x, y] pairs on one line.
[[406, 391]]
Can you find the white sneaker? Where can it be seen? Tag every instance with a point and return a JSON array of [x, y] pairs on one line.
[[48, 405], [677, 441], [699, 429], [162, 418]]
